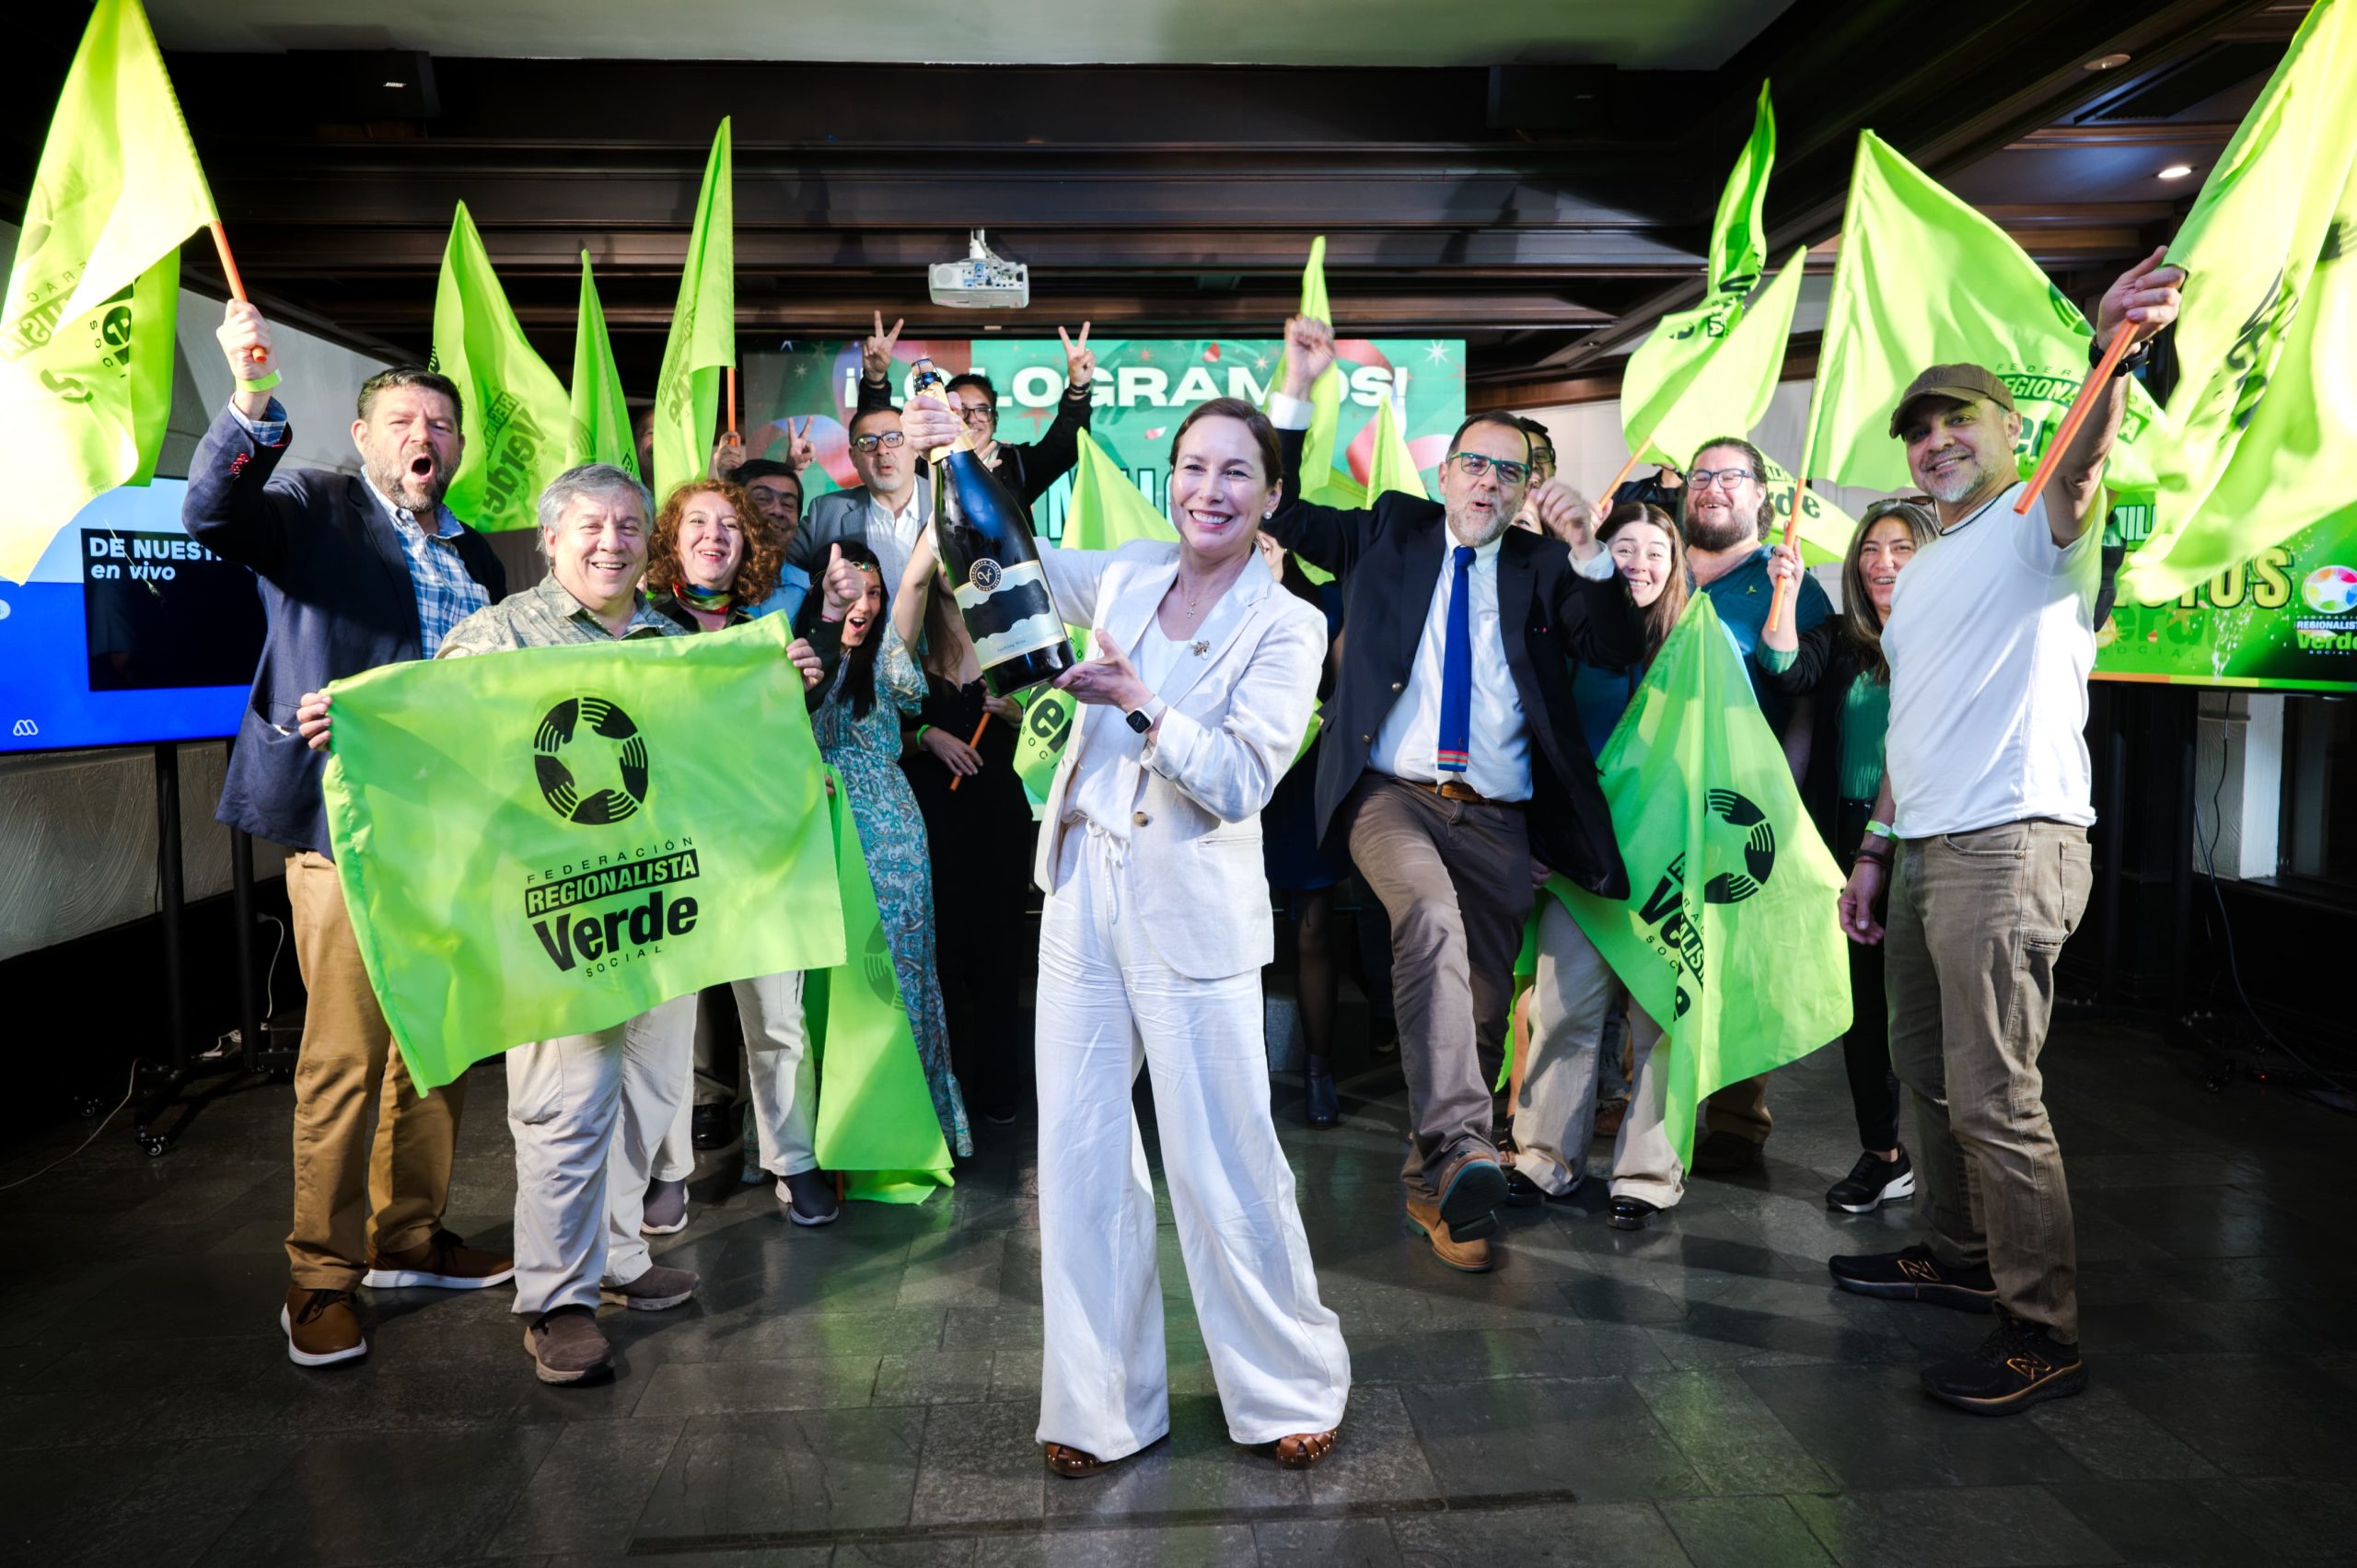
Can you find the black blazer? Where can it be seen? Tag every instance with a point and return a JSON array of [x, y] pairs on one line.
[[1030, 471], [336, 589], [1388, 559]]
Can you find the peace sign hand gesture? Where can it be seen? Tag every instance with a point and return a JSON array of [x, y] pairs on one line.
[[1080, 361], [804, 451], [876, 354]]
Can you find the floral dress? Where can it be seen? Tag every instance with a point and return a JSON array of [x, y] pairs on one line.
[[866, 751]]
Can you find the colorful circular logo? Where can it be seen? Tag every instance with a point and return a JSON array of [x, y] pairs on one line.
[[2330, 590], [572, 721]]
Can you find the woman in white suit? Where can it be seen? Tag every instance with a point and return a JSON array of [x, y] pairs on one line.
[[1199, 686]]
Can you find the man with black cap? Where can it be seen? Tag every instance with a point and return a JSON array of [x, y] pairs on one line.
[[1980, 836]]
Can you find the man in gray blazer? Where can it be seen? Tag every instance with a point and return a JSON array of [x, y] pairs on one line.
[[888, 509]]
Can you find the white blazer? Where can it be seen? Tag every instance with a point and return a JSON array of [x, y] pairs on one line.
[[1235, 723]]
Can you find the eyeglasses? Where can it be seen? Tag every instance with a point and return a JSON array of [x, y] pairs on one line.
[[1474, 465], [869, 443], [1543, 456], [1703, 479], [976, 413]]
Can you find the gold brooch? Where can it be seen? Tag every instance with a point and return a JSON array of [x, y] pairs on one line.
[[1200, 648]]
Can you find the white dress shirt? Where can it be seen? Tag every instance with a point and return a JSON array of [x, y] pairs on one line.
[[1408, 745], [893, 535]]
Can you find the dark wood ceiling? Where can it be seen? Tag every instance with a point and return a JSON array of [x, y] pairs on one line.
[[1178, 200]]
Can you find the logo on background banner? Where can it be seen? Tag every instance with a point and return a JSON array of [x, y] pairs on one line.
[[623, 755]]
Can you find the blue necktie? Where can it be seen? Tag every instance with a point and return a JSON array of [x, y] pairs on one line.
[[1456, 670]]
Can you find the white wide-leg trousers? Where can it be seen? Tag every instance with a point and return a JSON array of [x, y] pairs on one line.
[[1106, 1004], [779, 1075], [586, 1112]]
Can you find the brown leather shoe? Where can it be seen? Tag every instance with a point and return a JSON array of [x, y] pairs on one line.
[[1471, 1186], [1467, 1257], [1303, 1449], [566, 1346], [1072, 1463], [442, 1261], [322, 1327]]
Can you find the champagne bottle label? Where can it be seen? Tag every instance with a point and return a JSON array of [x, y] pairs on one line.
[[1008, 610]]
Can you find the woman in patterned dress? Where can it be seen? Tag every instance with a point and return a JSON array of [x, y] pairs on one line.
[[856, 716]]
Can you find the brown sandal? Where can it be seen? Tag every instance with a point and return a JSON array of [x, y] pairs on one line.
[[1303, 1449], [1072, 1463]]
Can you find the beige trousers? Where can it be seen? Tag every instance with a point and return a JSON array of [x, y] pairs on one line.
[[1976, 921], [355, 1190]]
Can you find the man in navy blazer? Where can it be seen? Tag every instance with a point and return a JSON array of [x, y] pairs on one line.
[[354, 573], [1454, 767]]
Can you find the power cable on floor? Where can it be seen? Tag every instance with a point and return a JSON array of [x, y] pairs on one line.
[[129, 1088]]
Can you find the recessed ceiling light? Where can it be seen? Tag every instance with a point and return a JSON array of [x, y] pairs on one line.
[[2177, 172], [2106, 63], [397, 84]]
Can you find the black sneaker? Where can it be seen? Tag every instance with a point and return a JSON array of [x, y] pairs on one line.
[[1871, 1182], [1914, 1275], [2016, 1366]]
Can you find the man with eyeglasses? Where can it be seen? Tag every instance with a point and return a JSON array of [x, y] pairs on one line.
[[1030, 471], [1726, 518], [1542, 468], [888, 508], [1454, 768]]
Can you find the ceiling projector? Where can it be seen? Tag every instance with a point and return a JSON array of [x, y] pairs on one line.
[[981, 282]]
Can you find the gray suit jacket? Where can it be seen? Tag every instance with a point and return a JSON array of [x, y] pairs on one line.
[[840, 514]]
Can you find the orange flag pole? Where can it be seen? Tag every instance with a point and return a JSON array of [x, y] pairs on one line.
[[732, 400], [229, 270], [2099, 384], [1776, 606], [1626, 469], [956, 779]]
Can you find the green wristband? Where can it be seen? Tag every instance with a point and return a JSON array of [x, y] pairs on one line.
[[264, 385]]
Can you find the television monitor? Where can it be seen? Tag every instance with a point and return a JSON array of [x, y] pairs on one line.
[[128, 632]]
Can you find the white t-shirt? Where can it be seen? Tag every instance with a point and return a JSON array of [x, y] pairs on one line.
[[1991, 640]]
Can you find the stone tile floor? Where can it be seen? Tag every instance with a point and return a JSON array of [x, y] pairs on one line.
[[866, 1394]]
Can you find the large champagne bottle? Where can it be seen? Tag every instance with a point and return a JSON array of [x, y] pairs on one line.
[[983, 535]]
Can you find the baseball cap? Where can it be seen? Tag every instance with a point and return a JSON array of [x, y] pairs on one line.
[[1962, 382]]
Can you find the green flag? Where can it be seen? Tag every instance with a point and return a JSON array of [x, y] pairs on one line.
[[85, 341], [1922, 280], [704, 333], [1393, 466], [1825, 529], [601, 431], [1108, 511], [876, 1121], [2264, 416], [514, 417], [547, 841], [1320, 440], [1729, 938], [1728, 391], [1668, 362]]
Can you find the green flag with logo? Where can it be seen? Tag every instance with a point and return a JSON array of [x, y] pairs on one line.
[[601, 431], [547, 841], [1923, 279], [876, 1123], [1674, 353], [2257, 441], [87, 326], [1108, 511], [515, 416], [1728, 392], [1729, 938], [704, 332]]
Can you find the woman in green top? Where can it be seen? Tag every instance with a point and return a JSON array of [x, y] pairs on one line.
[[1841, 660]]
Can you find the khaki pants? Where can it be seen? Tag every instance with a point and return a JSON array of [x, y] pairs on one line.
[[355, 1191], [1741, 1109], [1455, 878], [1976, 921]]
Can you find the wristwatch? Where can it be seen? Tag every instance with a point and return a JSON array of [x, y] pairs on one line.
[[1142, 719], [2129, 363]]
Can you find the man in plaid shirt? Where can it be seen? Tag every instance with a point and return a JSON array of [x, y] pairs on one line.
[[353, 572]]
